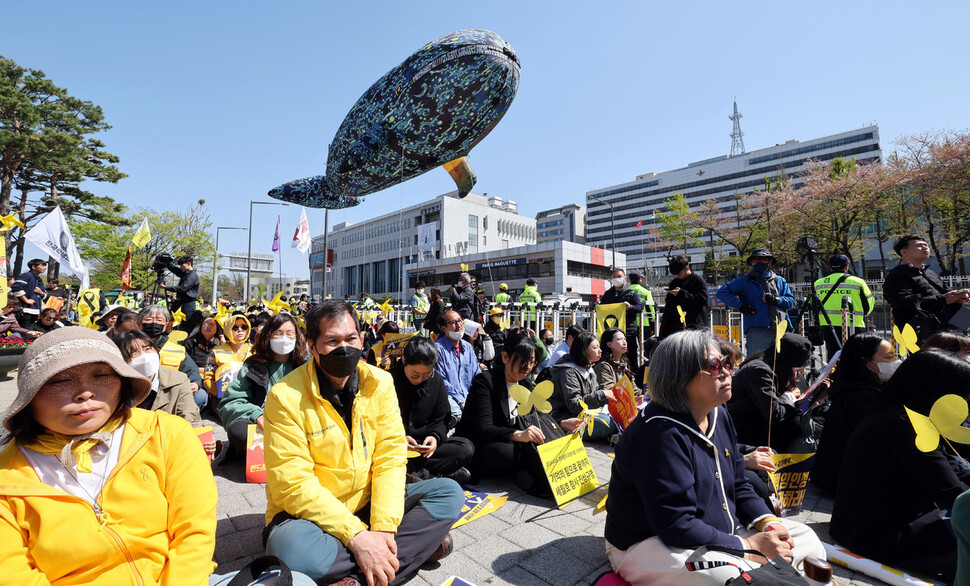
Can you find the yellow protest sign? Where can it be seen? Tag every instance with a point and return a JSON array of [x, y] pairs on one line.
[[906, 339], [790, 479], [394, 344], [88, 304], [611, 315], [477, 505], [946, 418], [537, 398], [780, 329], [567, 468]]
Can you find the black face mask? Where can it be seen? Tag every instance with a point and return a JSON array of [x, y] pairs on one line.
[[153, 330], [340, 362], [548, 341]]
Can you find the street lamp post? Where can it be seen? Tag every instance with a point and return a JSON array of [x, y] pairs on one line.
[[215, 262], [613, 227], [249, 253]]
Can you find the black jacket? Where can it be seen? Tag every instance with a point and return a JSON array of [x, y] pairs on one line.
[[435, 311], [751, 405], [424, 408], [850, 404], [917, 298], [891, 496], [630, 296], [694, 299], [486, 418], [188, 288], [463, 301]]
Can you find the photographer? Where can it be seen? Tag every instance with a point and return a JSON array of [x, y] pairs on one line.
[[186, 292]]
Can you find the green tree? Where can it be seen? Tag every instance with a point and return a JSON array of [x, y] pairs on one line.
[[185, 232], [677, 224]]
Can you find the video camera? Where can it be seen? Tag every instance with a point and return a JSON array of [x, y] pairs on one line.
[[160, 263]]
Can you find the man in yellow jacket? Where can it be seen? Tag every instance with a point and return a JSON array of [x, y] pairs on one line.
[[336, 457]]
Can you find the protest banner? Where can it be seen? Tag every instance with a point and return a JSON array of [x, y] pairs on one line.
[[624, 408], [477, 505], [394, 344], [456, 581], [790, 479], [567, 468], [611, 315], [255, 466], [888, 574]]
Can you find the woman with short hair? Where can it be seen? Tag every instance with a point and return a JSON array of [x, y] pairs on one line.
[[678, 479], [423, 399]]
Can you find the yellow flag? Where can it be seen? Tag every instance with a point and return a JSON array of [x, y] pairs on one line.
[[143, 235], [780, 329], [611, 315]]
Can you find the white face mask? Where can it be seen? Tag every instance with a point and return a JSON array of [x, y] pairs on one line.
[[146, 364], [886, 369], [420, 291], [455, 335], [618, 282], [283, 345]]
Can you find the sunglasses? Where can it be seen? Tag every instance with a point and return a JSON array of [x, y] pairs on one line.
[[714, 366], [239, 327]]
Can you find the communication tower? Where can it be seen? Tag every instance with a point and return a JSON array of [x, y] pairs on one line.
[[737, 137]]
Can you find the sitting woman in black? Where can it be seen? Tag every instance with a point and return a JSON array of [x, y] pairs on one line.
[[866, 361], [503, 439], [893, 501], [424, 408]]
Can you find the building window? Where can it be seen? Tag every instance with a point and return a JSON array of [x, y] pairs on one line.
[[380, 277], [472, 234]]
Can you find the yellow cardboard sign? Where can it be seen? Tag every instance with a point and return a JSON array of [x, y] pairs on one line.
[[611, 315], [568, 468], [790, 479], [394, 344]]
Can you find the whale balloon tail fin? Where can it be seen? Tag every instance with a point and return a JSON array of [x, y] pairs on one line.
[[310, 191], [461, 171]]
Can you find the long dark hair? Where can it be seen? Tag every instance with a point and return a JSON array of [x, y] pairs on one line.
[[852, 367], [926, 376], [261, 350], [433, 294]]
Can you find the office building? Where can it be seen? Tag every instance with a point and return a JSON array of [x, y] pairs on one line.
[[614, 212], [563, 223]]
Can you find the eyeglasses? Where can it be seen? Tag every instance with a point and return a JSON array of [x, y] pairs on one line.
[[455, 322], [714, 366]]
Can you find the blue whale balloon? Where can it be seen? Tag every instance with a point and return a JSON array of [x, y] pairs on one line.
[[429, 111]]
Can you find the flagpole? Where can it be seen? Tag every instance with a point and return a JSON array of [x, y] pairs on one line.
[[326, 254]]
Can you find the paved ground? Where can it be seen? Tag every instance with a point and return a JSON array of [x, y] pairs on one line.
[[525, 543]]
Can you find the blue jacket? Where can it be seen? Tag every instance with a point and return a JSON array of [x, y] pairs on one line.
[[24, 287], [458, 368], [667, 481], [745, 289]]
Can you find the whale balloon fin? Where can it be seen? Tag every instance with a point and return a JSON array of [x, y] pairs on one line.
[[366, 148], [310, 192], [461, 171]]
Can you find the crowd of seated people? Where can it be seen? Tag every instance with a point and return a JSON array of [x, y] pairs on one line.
[[367, 453]]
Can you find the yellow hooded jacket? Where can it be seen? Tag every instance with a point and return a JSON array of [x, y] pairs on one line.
[[158, 524], [319, 470], [223, 363]]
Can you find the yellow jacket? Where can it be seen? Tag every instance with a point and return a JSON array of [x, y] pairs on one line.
[[223, 363], [158, 524], [319, 470]]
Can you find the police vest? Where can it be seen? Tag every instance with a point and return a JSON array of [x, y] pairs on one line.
[[852, 287], [646, 297], [531, 297], [503, 298]]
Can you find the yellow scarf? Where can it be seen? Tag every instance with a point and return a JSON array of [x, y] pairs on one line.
[[75, 448]]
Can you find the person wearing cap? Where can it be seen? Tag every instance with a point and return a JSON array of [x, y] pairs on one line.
[[916, 293], [529, 299], [763, 297], [93, 490], [687, 291], [764, 391], [109, 316], [186, 292], [830, 290], [226, 359], [419, 306], [503, 298], [29, 289]]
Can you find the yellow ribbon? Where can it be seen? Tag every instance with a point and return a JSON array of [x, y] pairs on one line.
[[74, 448]]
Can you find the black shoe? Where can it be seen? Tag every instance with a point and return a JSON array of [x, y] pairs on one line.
[[452, 421], [443, 551], [461, 476]]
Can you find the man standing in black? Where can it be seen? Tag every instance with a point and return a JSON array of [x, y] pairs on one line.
[[688, 292], [186, 292], [621, 293], [917, 295]]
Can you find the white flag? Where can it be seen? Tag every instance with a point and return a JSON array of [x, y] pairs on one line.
[[54, 237], [301, 239], [427, 239]]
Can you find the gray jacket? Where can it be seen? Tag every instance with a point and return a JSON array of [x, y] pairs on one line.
[[573, 384]]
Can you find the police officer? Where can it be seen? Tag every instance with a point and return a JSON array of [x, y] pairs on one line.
[[530, 298], [503, 298], [830, 290], [646, 298], [419, 306]]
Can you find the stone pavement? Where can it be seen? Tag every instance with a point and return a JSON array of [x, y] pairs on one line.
[[524, 543]]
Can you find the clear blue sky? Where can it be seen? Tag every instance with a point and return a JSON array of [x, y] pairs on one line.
[[224, 100]]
